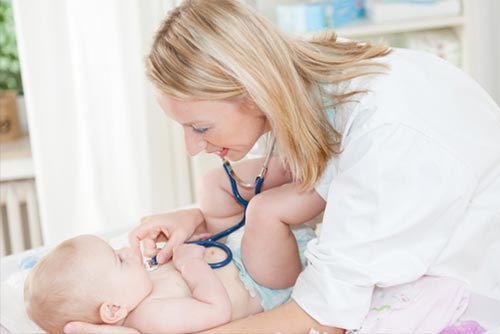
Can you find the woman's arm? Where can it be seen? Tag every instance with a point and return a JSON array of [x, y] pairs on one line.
[[287, 318], [78, 327]]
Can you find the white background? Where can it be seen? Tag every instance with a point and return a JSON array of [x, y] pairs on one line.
[[104, 154]]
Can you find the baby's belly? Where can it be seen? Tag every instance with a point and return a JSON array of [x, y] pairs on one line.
[[168, 283], [243, 304]]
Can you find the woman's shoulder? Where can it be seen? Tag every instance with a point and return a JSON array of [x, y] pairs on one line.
[[413, 81]]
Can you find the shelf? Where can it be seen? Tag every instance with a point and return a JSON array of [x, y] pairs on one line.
[[366, 28], [15, 160]]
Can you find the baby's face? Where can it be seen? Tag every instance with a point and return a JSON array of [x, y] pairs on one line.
[[121, 277]]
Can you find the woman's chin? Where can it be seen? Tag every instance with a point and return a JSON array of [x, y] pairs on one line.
[[235, 156]]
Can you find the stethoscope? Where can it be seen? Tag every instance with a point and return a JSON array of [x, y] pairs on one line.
[[235, 181]]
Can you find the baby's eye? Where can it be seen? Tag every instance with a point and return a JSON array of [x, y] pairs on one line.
[[199, 130]]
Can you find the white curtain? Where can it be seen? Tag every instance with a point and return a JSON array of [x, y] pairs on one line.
[[104, 154]]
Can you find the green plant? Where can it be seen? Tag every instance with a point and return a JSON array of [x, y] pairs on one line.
[[10, 71]]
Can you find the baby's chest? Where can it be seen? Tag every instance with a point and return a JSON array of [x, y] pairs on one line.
[[168, 283]]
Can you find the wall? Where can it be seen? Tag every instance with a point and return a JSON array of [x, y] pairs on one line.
[[484, 42]]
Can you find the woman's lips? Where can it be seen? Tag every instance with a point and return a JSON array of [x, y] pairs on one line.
[[223, 153]]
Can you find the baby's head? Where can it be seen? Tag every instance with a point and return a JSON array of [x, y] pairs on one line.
[[85, 279]]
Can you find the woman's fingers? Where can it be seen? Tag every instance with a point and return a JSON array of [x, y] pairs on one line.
[[173, 228], [149, 248], [148, 234], [136, 236], [166, 252]]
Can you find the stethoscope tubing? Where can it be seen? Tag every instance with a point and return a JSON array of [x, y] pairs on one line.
[[213, 240], [234, 186], [212, 243]]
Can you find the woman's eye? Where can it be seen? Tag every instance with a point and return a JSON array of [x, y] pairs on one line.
[[200, 130]]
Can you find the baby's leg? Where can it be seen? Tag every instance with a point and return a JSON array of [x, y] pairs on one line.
[[269, 248], [215, 197]]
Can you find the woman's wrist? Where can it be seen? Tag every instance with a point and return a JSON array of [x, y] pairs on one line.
[[195, 218], [287, 318]]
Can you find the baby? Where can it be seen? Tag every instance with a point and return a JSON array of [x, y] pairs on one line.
[[85, 279]]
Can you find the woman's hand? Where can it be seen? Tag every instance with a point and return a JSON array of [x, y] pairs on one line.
[[77, 327], [173, 228]]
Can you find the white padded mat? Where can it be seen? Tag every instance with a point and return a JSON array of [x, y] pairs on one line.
[[13, 319]]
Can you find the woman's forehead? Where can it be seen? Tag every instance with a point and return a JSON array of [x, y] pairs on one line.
[[195, 111]]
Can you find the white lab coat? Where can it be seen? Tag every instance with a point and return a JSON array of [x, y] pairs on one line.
[[416, 190]]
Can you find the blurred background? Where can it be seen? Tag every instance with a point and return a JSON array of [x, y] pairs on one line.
[[85, 149]]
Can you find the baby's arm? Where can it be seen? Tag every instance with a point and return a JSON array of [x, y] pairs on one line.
[[208, 307], [205, 285]]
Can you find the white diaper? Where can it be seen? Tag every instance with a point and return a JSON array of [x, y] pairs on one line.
[[270, 298]]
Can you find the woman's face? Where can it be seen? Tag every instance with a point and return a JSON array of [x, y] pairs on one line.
[[226, 128]]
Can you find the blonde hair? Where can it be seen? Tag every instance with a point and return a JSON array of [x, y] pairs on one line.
[[53, 292], [223, 49]]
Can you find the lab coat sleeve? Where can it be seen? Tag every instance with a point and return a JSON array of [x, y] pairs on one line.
[[391, 208], [323, 184]]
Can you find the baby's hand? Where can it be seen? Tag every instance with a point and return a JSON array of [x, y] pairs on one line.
[[185, 253]]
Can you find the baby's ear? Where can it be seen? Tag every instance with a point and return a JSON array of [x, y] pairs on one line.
[[111, 313]]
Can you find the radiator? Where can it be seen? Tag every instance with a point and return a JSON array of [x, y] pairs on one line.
[[19, 220]]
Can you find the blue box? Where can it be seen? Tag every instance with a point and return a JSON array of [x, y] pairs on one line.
[[317, 16], [341, 12], [301, 18]]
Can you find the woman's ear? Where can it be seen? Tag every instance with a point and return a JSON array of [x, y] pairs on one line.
[[111, 313], [249, 106]]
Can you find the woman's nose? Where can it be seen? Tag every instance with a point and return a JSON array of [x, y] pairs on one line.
[[194, 144]]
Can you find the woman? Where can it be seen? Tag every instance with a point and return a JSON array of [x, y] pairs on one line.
[[402, 147]]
